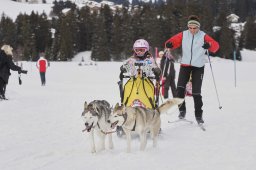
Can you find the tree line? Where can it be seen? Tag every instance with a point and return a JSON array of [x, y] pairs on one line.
[[110, 34]]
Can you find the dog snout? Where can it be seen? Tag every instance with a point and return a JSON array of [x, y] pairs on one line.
[[86, 124]]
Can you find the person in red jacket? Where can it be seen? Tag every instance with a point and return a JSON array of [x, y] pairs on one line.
[[42, 65], [194, 43]]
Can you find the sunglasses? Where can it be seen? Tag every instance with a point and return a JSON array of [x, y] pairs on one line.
[[140, 50], [192, 28]]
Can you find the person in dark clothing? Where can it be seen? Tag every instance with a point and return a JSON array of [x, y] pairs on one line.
[[194, 43], [168, 71], [6, 64]]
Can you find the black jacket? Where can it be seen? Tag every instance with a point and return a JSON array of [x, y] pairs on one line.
[[6, 64]]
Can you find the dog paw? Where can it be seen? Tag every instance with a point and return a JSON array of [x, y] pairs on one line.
[[101, 149], [93, 150], [111, 146]]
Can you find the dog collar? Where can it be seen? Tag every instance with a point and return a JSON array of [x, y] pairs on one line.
[[105, 133]]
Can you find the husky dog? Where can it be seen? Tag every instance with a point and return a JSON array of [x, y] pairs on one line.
[[141, 120], [95, 116]]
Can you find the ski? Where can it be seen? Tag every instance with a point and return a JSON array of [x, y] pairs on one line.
[[200, 125], [181, 120]]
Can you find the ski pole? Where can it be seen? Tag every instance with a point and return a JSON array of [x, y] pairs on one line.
[[220, 107], [235, 66]]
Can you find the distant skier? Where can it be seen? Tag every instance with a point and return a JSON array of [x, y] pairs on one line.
[[42, 65], [6, 64], [194, 44]]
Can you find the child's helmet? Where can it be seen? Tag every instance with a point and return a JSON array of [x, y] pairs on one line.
[[140, 47]]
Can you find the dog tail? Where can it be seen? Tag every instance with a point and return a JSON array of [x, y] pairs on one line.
[[169, 104]]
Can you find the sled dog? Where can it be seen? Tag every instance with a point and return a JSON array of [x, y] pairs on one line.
[[95, 116], [141, 120]]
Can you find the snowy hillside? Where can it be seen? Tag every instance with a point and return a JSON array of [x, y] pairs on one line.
[[41, 127], [13, 9]]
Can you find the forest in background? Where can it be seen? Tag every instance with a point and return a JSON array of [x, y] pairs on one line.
[[110, 34]]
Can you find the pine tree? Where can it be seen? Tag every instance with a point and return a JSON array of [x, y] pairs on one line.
[[85, 25], [116, 41], [43, 34], [25, 38], [227, 42], [127, 38], [7, 31], [102, 35], [249, 33], [100, 50], [67, 38]]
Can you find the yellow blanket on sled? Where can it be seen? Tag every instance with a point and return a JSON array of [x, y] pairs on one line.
[[139, 92]]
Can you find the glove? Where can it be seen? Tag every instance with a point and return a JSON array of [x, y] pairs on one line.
[[169, 45], [157, 72], [122, 69], [23, 71], [206, 45]]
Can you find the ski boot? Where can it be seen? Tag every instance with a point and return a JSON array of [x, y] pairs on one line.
[[199, 120]]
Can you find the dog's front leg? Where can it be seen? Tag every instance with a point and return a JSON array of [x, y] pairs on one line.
[[101, 141], [93, 150], [110, 141], [154, 134], [143, 140]]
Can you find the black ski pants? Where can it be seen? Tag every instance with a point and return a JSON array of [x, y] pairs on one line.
[[170, 81], [197, 79], [42, 76], [2, 87]]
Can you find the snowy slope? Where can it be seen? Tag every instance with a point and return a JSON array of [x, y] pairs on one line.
[[41, 127], [13, 9]]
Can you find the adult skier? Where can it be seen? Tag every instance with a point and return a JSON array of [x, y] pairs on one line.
[[194, 43]]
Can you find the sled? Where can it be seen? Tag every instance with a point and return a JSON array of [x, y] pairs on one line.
[[189, 89], [139, 92]]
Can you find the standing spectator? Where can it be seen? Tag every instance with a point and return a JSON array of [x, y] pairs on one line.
[[6, 64], [194, 44], [168, 71], [42, 65]]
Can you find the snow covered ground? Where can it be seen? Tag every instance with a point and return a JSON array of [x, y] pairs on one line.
[[41, 127]]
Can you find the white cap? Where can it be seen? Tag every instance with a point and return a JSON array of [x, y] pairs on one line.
[[161, 53]]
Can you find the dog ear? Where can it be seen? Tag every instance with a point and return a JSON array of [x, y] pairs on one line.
[[123, 108], [85, 105], [116, 106]]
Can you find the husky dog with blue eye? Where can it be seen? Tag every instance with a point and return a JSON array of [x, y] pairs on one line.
[[95, 116]]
